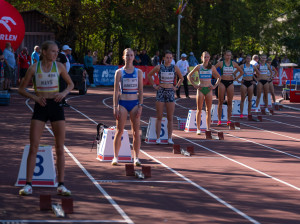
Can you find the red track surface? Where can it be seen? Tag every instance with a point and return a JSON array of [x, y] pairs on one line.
[[251, 176]]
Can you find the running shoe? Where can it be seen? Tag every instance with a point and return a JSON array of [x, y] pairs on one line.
[[62, 190], [170, 141], [137, 162], [198, 132], [114, 162], [219, 123], [26, 190], [256, 109], [158, 141], [228, 123], [241, 116]]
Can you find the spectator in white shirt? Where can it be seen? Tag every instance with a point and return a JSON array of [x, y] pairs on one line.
[[183, 65]]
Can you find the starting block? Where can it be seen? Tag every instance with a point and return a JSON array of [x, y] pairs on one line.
[[185, 152], [141, 174], [209, 136], [67, 205], [234, 126], [278, 106], [45, 202], [58, 211], [177, 150], [257, 119]]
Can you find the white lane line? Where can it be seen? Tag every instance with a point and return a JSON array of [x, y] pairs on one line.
[[292, 108], [277, 150], [286, 115], [23, 221], [188, 157], [191, 182], [142, 181], [107, 196], [242, 164], [275, 133], [295, 126], [204, 190]]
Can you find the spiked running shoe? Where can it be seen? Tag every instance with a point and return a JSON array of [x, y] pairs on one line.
[[62, 190], [26, 190]]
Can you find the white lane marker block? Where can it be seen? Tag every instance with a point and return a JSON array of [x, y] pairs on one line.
[[214, 113], [151, 131], [105, 148], [191, 124], [44, 172]]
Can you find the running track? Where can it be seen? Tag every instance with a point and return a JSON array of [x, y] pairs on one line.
[[250, 177]]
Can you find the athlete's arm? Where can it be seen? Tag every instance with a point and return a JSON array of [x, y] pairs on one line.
[[235, 65], [28, 77], [178, 72], [216, 75], [189, 76], [70, 85], [237, 78], [116, 94], [151, 74], [140, 91]]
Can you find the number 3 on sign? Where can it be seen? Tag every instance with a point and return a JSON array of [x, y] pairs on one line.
[[38, 166]]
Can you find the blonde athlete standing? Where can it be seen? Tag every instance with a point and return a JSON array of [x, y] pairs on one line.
[[270, 79], [128, 99], [247, 83], [165, 93], [227, 68], [263, 85], [48, 106], [204, 89]]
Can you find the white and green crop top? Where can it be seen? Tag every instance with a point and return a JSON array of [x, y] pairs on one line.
[[46, 81]]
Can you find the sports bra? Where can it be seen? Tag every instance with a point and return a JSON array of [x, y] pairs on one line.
[[166, 75], [129, 82], [46, 81], [227, 70], [204, 73], [248, 71]]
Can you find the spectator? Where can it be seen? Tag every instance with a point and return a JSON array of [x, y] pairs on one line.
[[275, 62], [107, 59], [192, 60], [254, 60], [285, 60], [95, 57], [2, 65], [88, 65], [137, 59], [183, 65], [155, 59], [9, 58], [145, 59], [25, 61], [62, 58], [35, 56]]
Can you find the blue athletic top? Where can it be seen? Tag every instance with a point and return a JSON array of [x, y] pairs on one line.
[[248, 71], [166, 75], [263, 69], [129, 82], [204, 73]]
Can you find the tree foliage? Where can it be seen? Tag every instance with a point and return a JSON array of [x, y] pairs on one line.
[[248, 26]]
